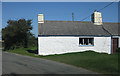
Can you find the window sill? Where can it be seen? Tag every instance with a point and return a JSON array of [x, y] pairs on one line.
[[86, 45]]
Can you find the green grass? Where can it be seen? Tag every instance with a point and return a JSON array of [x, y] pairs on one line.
[[103, 63], [23, 51], [98, 62]]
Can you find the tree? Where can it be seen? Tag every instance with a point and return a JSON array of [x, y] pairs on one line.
[[16, 34]]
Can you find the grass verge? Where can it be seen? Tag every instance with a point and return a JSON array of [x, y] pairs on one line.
[[98, 62]]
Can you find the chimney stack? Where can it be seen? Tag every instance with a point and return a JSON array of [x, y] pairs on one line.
[[96, 18], [40, 18], [40, 22]]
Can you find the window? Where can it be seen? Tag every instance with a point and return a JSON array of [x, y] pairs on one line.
[[86, 41]]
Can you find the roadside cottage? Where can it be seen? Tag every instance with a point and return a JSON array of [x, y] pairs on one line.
[[58, 37]]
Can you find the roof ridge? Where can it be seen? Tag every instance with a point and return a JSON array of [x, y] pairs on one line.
[[81, 21], [67, 21]]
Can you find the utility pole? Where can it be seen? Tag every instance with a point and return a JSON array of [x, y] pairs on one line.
[[72, 16]]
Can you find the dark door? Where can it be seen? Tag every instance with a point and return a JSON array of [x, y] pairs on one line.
[[114, 44]]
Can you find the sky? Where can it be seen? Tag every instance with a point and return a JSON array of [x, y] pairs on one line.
[[56, 11]]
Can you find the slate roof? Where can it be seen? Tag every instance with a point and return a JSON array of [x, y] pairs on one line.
[[74, 28], [112, 28]]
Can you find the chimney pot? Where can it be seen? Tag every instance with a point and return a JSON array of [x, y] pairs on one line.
[[95, 10]]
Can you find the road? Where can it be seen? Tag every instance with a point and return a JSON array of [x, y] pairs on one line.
[[0, 58], [18, 64]]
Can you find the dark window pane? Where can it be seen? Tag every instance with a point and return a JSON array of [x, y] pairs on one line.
[[90, 41], [86, 41], [81, 41]]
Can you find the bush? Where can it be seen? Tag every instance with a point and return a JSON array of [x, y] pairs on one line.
[[118, 50], [16, 34]]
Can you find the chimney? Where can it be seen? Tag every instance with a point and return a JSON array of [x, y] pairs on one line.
[[96, 18], [40, 23], [40, 18]]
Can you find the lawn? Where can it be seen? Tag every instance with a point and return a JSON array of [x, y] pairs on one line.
[[103, 63], [98, 62]]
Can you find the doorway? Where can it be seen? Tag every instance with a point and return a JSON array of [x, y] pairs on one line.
[[114, 44]]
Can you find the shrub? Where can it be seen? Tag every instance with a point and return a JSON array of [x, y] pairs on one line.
[[118, 50]]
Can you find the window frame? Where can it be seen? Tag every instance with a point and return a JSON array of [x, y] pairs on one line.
[[83, 41]]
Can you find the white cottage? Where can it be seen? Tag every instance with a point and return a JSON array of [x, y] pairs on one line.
[[58, 37]]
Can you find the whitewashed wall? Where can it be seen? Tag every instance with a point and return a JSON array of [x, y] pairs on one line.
[[59, 45]]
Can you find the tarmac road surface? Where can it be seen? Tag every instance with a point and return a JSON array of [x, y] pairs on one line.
[[18, 64]]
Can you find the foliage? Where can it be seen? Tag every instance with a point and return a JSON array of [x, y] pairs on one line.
[[16, 34], [118, 50], [24, 51], [32, 41]]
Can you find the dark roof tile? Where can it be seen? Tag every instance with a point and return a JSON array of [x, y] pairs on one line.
[[112, 28], [71, 28]]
